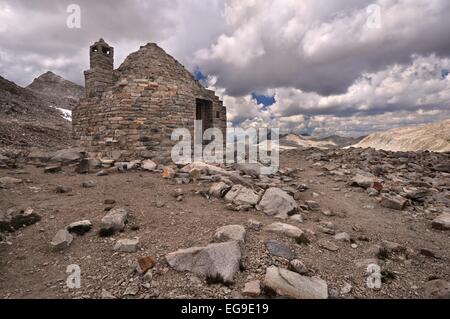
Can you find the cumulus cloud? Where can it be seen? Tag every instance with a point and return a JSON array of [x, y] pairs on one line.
[[329, 70]]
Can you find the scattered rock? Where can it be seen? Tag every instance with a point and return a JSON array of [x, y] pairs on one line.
[[437, 289], [113, 221], [298, 266], [144, 264], [396, 202], [254, 225], [11, 220], [219, 190], [343, 237], [346, 289], [80, 228], [62, 239], [363, 181], [52, 169], [296, 218], [285, 229], [442, 222], [279, 249], [107, 295], [88, 184], [313, 206], [168, 172], [127, 245], [216, 262], [276, 201], [67, 156], [8, 182], [231, 232], [61, 189], [252, 289], [240, 195], [327, 245], [292, 285], [149, 165]]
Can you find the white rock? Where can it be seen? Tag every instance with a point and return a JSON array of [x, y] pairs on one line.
[[252, 289], [342, 237], [218, 262], [127, 245], [62, 239], [442, 222], [290, 284], [230, 232], [114, 220], [149, 165], [240, 195], [284, 229], [276, 201]]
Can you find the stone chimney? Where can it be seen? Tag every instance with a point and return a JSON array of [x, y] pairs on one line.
[[100, 75]]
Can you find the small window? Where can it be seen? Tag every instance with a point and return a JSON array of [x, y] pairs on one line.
[[106, 50], [94, 49], [217, 114]]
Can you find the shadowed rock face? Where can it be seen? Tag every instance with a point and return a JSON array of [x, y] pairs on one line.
[[64, 93]]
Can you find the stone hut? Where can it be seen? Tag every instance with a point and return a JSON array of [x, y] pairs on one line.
[[130, 112]]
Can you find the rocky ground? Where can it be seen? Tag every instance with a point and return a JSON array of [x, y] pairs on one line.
[[147, 231]]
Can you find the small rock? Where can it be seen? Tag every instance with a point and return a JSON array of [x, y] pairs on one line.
[[292, 285], [298, 266], [437, 289], [346, 289], [63, 189], [254, 225], [11, 221], [296, 218], [284, 229], [80, 227], [343, 237], [240, 195], [144, 264], [102, 173], [252, 289], [219, 190], [231, 232], [7, 182], [168, 172], [396, 202], [51, 169], [109, 201], [62, 239], [442, 222], [88, 184], [149, 165], [127, 245], [327, 245], [313, 206], [107, 295], [279, 249], [114, 221]]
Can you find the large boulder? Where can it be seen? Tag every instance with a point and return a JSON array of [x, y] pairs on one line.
[[275, 201], [216, 262], [289, 284], [241, 195]]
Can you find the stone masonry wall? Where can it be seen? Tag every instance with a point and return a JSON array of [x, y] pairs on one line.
[[134, 118]]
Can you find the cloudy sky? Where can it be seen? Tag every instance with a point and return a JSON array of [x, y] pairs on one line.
[[321, 67]]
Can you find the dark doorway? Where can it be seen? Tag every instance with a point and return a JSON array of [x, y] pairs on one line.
[[204, 113]]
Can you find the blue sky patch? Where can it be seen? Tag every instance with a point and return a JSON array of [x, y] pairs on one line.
[[263, 99]]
